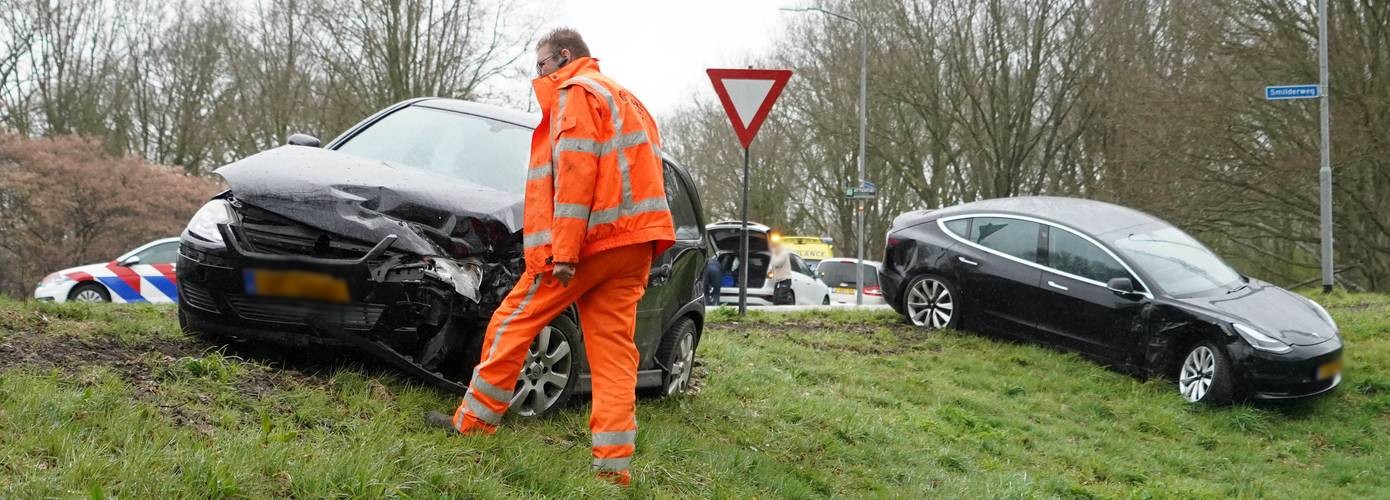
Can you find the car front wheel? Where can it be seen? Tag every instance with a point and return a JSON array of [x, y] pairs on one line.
[[89, 292], [932, 302], [550, 371], [1205, 375]]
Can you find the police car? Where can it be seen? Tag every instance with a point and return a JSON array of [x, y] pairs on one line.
[[145, 274]]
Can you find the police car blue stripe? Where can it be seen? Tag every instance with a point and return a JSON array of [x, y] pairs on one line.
[[120, 288], [165, 286]]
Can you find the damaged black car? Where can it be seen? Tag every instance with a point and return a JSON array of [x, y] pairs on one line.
[[1115, 285], [400, 238]]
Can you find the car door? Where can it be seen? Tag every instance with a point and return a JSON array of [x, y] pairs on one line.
[[998, 273], [156, 267], [677, 275], [808, 289], [1078, 310]]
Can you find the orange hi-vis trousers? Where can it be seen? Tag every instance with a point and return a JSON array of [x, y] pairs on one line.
[[606, 286]]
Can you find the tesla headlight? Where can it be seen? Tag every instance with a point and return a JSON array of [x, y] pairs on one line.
[[1259, 340], [204, 223], [1323, 312]]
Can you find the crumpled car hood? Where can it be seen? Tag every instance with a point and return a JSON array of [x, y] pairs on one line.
[[365, 199]]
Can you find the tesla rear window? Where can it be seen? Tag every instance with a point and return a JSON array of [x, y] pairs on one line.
[[468, 147]]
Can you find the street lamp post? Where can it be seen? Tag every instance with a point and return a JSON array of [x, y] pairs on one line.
[[863, 128]]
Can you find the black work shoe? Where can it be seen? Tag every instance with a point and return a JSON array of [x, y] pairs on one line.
[[436, 419]]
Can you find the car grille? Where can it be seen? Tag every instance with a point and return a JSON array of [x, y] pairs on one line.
[[197, 297], [349, 316], [270, 233]]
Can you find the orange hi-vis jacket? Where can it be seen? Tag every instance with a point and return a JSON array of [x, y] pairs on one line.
[[595, 180]]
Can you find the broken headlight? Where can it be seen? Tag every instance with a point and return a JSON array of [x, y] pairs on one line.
[[205, 221]]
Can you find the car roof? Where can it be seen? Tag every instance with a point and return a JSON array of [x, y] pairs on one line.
[[529, 120], [1091, 216], [734, 224]]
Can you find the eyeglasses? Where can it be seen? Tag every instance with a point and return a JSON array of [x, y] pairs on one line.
[[540, 65]]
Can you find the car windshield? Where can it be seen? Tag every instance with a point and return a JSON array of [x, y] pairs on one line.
[[1180, 264], [468, 147], [841, 274]]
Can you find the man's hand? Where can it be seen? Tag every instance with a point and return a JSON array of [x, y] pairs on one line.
[[564, 273]]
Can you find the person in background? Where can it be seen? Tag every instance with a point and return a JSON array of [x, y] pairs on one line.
[[781, 269]]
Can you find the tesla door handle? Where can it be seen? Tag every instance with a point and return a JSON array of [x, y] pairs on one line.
[[1055, 285], [968, 261]]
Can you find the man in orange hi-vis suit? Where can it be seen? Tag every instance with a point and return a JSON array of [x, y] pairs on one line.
[[595, 218]]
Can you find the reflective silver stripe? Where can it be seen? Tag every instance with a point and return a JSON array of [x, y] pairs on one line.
[[540, 172], [625, 141], [535, 240], [497, 337], [613, 464], [492, 391], [615, 438], [578, 145], [571, 211], [481, 411], [611, 215], [554, 137]]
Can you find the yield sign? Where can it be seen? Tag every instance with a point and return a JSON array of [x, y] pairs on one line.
[[747, 95]]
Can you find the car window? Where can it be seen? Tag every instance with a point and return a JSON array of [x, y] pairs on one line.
[[1072, 254], [467, 147], [682, 204], [840, 274], [800, 266], [163, 253], [959, 226], [1018, 238]]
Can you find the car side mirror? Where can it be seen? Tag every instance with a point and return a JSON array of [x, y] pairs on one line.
[[130, 261], [303, 140], [1122, 286]]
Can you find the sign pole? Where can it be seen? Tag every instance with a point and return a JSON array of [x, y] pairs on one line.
[[743, 245], [1325, 172]]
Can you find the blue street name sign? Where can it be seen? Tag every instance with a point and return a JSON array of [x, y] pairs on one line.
[[1284, 92]]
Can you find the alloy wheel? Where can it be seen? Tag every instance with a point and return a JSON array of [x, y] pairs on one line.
[[682, 366], [88, 295], [545, 373], [1198, 372], [930, 304]]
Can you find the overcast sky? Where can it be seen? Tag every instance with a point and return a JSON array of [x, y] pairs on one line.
[[659, 49]]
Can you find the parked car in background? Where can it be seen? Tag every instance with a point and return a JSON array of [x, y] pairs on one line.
[[400, 238], [839, 274], [812, 249], [1116, 285], [145, 274], [806, 289]]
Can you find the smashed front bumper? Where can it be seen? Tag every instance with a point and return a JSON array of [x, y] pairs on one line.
[[413, 311]]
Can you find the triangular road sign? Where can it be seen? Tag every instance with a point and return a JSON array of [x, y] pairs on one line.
[[747, 95]]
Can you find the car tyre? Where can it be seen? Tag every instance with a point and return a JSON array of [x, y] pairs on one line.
[[825, 301], [932, 302], [550, 370], [677, 358], [89, 292], [1205, 375]]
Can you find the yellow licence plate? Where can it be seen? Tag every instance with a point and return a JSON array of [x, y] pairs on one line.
[[1329, 369], [844, 290], [296, 285]]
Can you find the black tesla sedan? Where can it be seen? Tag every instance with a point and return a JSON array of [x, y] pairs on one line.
[[400, 238], [1113, 284]]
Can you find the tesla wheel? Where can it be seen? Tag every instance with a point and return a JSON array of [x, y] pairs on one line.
[[1205, 375], [550, 371], [677, 356], [89, 292], [932, 302]]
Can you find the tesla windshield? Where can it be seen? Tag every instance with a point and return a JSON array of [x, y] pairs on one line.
[[1180, 264], [476, 149]]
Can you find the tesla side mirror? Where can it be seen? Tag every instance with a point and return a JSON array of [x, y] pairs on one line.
[[130, 261], [303, 140], [1122, 286]]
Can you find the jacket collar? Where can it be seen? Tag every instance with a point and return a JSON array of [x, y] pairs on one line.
[[548, 86]]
